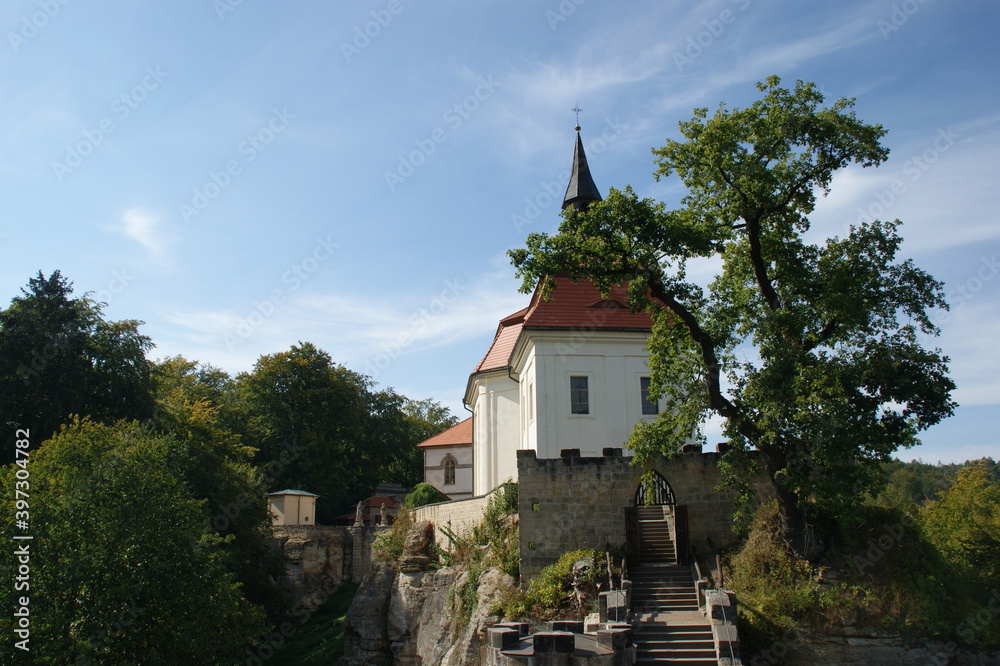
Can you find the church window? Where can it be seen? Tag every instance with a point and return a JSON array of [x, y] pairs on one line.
[[649, 407], [449, 471], [579, 395]]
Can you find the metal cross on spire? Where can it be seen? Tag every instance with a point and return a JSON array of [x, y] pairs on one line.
[[576, 109]]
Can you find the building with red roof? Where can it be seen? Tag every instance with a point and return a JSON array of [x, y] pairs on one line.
[[569, 371], [448, 463]]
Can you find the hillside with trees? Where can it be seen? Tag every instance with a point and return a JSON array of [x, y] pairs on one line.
[[146, 485]]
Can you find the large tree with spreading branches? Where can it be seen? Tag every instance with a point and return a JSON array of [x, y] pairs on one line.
[[812, 353]]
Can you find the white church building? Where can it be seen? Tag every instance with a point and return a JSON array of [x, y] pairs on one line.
[[567, 372]]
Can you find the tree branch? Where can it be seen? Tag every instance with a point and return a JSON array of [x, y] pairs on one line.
[[718, 401]]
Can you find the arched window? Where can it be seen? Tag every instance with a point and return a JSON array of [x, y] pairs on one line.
[[661, 492], [449, 470]]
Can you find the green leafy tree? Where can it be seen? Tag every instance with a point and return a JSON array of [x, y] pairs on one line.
[[191, 403], [810, 352], [421, 420], [914, 483], [58, 356], [963, 522], [121, 569], [321, 427]]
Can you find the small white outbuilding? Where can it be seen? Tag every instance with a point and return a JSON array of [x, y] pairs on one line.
[[292, 507]]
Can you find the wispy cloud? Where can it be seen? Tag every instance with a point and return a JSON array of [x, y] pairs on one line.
[[144, 227], [969, 338], [943, 175], [364, 334]]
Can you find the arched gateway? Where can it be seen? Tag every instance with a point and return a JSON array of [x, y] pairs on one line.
[[656, 527], [662, 494]]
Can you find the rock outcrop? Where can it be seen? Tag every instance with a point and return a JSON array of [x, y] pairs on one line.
[[366, 625], [408, 616], [318, 558]]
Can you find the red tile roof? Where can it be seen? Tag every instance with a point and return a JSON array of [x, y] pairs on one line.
[[456, 435], [580, 305], [572, 305], [503, 343], [376, 502]]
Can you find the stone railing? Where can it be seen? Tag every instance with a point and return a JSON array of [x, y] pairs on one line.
[[721, 611]]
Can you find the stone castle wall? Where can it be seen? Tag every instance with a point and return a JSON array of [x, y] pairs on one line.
[[574, 502]]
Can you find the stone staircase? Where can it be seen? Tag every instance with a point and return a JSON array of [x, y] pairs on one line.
[[655, 544], [669, 627]]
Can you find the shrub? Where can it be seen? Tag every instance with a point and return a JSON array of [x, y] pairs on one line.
[[493, 542], [422, 494], [549, 592], [388, 546]]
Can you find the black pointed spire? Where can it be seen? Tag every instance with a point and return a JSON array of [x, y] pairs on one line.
[[581, 190]]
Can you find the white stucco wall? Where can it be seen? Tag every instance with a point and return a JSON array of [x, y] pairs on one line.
[[613, 362], [496, 430], [530, 407]]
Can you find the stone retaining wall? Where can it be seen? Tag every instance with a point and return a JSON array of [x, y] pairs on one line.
[[574, 502], [457, 515]]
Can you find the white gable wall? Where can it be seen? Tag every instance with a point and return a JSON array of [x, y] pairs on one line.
[[613, 363]]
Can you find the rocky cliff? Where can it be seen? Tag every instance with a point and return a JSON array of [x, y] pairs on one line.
[[317, 561], [405, 618]]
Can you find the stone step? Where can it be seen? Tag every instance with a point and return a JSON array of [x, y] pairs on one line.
[[674, 632], [698, 642], [671, 595], [676, 579], [707, 650]]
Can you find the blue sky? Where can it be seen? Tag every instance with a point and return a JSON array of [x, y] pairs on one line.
[[244, 175]]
